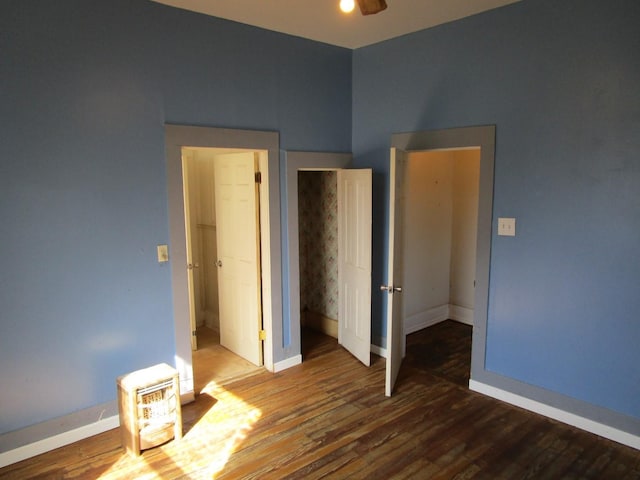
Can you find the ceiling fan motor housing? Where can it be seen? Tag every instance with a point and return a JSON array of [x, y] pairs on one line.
[[369, 7]]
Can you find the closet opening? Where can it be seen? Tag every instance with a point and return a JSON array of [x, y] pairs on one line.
[[318, 258]]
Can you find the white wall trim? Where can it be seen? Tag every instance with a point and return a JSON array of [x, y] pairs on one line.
[[187, 397], [57, 441], [563, 416], [287, 363], [461, 314], [380, 351], [426, 318]]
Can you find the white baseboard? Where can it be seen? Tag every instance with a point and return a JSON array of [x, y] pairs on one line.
[[426, 318], [461, 314], [57, 441], [435, 315], [380, 351], [563, 416], [287, 363], [187, 397]]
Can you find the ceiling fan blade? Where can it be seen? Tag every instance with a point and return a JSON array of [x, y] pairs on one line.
[[369, 7]]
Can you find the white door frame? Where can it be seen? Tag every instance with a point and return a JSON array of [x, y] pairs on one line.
[[176, 137], [187, 174], [456, 138]]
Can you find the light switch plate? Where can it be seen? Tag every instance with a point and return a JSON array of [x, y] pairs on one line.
[[163, 253], [507, 227]]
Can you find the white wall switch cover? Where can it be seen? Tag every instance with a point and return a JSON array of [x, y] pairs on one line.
[[507, 227], [163, 253]]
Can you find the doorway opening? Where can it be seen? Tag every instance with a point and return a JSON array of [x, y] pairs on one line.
[[481, 138], [441, 189], [353, 256], [222, 209], [318, 258], [339, 275], [177, 137]]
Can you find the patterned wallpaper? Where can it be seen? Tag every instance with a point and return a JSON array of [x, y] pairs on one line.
[[318, 227]]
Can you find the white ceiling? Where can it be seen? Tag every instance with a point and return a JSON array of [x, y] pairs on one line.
[[323, 21]]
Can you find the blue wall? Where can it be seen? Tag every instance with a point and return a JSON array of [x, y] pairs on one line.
[[86, 87], [561, 82], [85, 90]]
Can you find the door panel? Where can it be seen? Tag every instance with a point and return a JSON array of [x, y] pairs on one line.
[[354, 262], [238, 254], [395, 322], [187, 166]]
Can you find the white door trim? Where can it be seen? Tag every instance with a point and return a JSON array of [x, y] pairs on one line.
[[187, 166]]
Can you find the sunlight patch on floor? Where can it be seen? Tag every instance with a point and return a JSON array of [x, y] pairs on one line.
[[204, 450]]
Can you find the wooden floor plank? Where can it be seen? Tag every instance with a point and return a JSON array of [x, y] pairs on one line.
[[329, 418]]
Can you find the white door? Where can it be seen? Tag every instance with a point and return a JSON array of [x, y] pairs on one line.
[[395, 322], [238, 236], [354, 262], [187, 158]]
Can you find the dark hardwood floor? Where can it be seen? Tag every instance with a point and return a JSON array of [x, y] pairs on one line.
[[443, 350], [329, 418]]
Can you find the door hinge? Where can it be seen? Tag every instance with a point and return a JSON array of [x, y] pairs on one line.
[[262, 335], [258, 177], [193, 333]]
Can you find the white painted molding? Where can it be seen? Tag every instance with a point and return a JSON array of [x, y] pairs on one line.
[[187, 397], [380, 351], [461, 314], [57, 441], [426, 318], [563, 416], [287, 363], [186, 386]]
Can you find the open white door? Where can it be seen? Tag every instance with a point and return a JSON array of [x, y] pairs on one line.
[[238, 237], [354, 262], [187, 158], [395, 323]]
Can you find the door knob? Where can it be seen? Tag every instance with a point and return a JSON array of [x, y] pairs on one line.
[[390, 289]]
